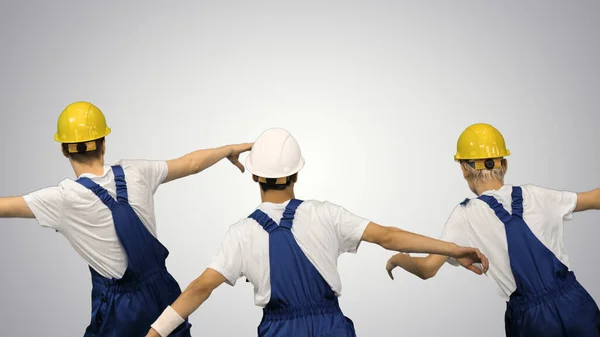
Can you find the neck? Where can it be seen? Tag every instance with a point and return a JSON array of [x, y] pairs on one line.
[[95, 167], [276, 196], [488, 185]]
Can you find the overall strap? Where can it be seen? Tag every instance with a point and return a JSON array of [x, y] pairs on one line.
[[517, 201], [501, 213], [121, 184], [264, 220], [288, 215], [99, 191]]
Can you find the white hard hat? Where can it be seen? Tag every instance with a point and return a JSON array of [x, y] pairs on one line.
[[275, 154]]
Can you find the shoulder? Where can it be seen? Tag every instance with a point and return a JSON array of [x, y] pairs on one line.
[[320, 205], [140, 163], [324, 210], [243, 226]]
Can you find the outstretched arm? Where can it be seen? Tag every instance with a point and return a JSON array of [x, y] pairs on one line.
[[423, 267], [197, 161], [14, 207], [392, 238], [194, 295], [588, 200]]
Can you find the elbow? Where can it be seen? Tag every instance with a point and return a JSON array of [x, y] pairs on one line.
[[194, 166], [427, 271], [391, 241], [426, 275], [199, 289]]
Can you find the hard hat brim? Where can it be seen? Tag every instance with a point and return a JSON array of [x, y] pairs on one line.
[[57, 138], [274, 175], [458, 158]]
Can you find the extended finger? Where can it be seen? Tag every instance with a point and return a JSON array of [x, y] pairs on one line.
[[237, 164], [240, 166]]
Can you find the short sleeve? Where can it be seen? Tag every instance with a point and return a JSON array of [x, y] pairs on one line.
[[454, 230], [47, 206], [348, 227], [154, 171], [228, 259], [563, 202]]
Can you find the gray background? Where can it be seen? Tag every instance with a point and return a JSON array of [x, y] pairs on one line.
[[376, 93]]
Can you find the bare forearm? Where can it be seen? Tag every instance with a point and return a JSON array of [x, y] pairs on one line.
[[190, 300], [408, 263], [196, 162], [203, 159], [407, 242], [183, 307], [194, 295], [423, 267]]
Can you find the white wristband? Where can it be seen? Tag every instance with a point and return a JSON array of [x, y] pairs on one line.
[[168, 321]]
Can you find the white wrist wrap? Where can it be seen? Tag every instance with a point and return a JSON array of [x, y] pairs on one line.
[[168, 321]]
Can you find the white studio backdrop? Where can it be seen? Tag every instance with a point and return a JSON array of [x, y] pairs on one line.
[[375, 92]]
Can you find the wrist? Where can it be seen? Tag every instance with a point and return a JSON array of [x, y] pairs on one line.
[[152, 333], [452, 249], [168, 321], [228, 149]]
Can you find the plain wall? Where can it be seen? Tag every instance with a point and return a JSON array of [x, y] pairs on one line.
[[376, 92]]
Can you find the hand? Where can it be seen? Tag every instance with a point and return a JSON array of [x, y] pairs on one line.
[[235, 154], [467, 257], [389, 266]]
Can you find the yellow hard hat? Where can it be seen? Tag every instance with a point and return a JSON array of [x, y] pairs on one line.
[[480, 141], [81, 122]]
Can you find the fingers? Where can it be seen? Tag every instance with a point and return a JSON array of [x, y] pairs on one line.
[[474, 269], [240, 166], [389, 267], [481, 258], [237, 164], [485, 263]]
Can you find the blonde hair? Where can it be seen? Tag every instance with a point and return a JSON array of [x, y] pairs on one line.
[[475, 175]]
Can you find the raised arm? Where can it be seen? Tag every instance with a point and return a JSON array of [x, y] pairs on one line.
[[588, 200], [15, 207], [197, 161]]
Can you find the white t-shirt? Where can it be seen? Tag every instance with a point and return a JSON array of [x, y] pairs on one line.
[[322, 230], [476, 225], [79, 215]]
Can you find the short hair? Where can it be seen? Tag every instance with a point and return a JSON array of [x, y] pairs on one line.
[[273, 183], [83, 155], [484, 174]]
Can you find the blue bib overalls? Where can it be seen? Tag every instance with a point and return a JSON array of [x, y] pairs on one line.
[[126, 307], [548, 301], [302, 304]]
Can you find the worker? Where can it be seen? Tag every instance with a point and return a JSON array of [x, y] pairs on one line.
[[288, 249], [520, 229], [107, 215]]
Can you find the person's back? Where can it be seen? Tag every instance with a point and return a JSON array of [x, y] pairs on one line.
[[544, 211], [302, 270], [107, 214], [520, 229], [288, 249], [78, 214]]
